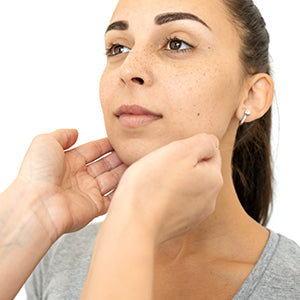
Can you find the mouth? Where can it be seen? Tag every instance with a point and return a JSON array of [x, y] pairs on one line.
[[135, 115]]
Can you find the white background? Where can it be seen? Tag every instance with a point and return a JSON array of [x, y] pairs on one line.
[[51, 59]]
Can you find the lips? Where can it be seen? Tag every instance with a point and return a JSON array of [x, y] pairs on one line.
[[135, 110], [134, 116]]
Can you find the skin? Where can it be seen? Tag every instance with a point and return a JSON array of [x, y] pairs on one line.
[[148, 208], [54, 193], [201, 90], [183, 234], [214, 63]]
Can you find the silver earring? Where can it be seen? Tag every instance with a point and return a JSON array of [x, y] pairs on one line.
[[247, 113]]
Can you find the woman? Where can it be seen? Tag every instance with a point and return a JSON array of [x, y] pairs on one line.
[[179, 225]]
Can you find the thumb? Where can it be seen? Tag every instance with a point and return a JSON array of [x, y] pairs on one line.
[[65, 137]]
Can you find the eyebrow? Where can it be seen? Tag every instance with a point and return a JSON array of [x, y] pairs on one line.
[[119, 25], [171, 17], [159, 20]]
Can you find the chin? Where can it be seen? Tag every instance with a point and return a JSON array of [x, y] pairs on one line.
[[132, 145], [130, 150], [130, 153], [128, 158]]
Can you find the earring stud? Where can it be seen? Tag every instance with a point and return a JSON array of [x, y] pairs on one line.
[[247, 113]]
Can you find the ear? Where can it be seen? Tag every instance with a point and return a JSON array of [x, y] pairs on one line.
[[259, 97]]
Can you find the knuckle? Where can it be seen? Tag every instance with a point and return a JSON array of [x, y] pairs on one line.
[[204, 138], [39, 137]]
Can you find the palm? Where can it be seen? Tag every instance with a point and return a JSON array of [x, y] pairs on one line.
[[71, 182]]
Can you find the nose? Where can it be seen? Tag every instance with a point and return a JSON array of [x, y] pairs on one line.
[[136, 69]]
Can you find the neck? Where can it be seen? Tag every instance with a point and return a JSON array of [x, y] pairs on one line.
[[224, 234]]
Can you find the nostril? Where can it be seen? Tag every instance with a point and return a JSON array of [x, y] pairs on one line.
[[138, 80]]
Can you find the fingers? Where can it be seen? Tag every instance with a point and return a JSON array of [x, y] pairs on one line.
[[65, 137], [216, 140], [106, 164], [110, 196], [93, 150], [200, 147], [216, 159], [109, 180], [107, 200], [205, 146]]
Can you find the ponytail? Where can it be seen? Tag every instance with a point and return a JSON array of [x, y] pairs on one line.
[[252, 162]]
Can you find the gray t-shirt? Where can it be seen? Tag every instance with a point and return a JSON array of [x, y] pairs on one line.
[[61, 273]]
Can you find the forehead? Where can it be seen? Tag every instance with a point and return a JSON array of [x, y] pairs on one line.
[[212, 10], [144, 6], [141, 14]]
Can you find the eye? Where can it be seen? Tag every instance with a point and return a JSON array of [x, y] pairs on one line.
[[116, 49], [176, 44]]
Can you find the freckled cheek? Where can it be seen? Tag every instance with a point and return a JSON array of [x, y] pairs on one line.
[[197, 101], [191, 92]]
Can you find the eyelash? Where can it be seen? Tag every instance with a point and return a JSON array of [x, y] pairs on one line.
[[167, 41], [108, 50], [172, 39]]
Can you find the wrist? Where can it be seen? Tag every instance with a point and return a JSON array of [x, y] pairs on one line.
[[23, 241], [122, 244], [21, 213], [127, 219]]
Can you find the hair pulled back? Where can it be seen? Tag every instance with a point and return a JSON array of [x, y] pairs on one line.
[[252, 162]]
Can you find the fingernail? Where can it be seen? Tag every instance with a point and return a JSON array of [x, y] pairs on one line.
[[216, 140]]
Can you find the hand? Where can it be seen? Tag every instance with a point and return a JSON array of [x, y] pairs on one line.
[[172, 189], [68, 187]]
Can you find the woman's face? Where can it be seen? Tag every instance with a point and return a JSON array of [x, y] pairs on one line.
[[164, 58]]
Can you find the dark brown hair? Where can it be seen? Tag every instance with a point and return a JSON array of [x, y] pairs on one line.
[[252, 162]]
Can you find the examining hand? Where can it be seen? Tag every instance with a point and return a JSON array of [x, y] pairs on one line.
[[68, 187], [56, 191], [172, 189]]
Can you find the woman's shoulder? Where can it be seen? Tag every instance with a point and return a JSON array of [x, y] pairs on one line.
[[286, 257], [72, 247], [281, 276], [62, 271], [84, 235], [277, 272], [75, 246]]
